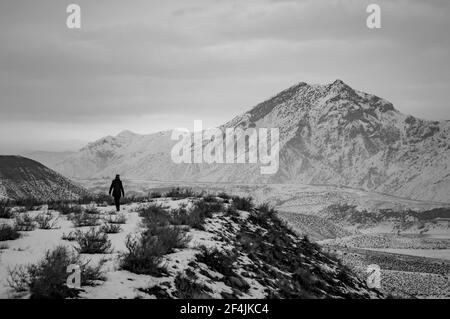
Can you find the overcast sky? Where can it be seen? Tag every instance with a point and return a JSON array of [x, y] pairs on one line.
[[153, 65]]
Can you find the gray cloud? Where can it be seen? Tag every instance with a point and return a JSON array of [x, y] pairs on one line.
[[181, 60]]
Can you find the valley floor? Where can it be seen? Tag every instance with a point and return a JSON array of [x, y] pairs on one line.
[[402, 275], [295, 198]]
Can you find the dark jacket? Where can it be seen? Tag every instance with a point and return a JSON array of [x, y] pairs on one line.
[[116, 188]]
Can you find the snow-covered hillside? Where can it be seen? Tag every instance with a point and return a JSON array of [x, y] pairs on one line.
[[231, 252], [329, 134]]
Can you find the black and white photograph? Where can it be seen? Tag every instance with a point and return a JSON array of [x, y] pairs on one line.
[[205, 150]]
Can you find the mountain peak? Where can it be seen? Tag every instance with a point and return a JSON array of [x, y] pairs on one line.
[[338, 84]]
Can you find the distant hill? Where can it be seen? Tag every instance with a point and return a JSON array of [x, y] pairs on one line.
[[21, 177]]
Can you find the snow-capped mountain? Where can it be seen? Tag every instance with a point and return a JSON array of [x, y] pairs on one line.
[[329, 134], [21, 177]]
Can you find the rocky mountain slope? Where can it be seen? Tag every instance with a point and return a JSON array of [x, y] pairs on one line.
[[329, 134], [21, 177]]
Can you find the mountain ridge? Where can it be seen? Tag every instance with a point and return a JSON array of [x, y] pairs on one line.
[[329, 134]]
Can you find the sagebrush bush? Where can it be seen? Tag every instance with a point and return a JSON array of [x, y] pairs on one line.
[[168, 237], [46, 221], [214, 207], [232, 211], [194, 216], [83, 219], [93, 242], [91, 210], [266, 209], [189, 288], [154, 214], [28, 204], [116, 219], [19, 210], [160, 292], [8, 232], [180, 216], [208, 207], [242, 203], [101, 199], [5, 210], [262, 214], [210, 198], [71, 236], [144, 256], [65, 208], [111, 228], [197, 219], [220, 261], [7, 213], [200, 211], [178, 193], [155, 194], [24, 222], [18, 278], [53, 205], [224, 195], [48, 278]]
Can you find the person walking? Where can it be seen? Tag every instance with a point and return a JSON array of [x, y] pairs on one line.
[[116, 190]]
